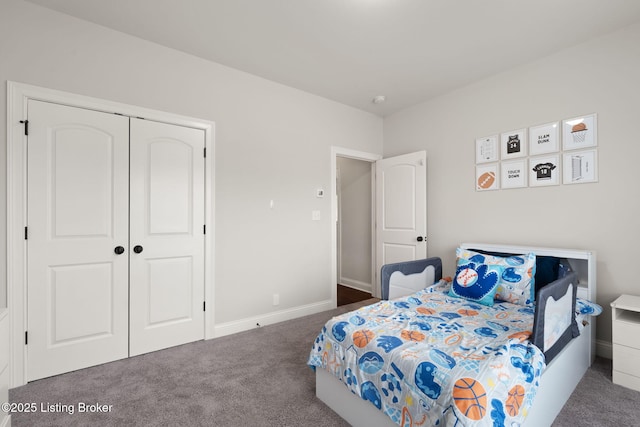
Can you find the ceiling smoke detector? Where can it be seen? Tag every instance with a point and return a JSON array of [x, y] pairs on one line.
[[379, 99]]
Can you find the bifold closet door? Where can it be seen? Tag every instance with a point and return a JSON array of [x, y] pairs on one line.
[[77, 283], [115, 237], [167, 235]]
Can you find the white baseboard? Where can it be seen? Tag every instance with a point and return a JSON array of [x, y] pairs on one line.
[[355, 284], [604, 349], [248, 323]]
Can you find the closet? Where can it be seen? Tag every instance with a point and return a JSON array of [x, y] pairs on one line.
[[114, 237]]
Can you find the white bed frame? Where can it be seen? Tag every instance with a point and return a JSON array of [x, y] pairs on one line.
[[557, 383]]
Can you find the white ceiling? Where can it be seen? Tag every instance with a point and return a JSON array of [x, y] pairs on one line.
[[353, 50]]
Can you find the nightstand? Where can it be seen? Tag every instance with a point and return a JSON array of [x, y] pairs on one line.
[[625, 321]]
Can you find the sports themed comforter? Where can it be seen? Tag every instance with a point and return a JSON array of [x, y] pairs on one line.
[[434, 360]]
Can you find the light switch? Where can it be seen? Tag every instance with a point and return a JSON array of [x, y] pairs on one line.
[[315, 215]]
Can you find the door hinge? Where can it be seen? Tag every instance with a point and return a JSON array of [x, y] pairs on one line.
[[26, 233], [204, 229], [26, 337], [26, 126], [204, 306], [205, 152]]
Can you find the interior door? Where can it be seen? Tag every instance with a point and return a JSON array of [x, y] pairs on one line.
[[77, 282], [401, 209], [167, 235]]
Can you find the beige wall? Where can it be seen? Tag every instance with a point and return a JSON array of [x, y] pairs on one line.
[[260, 127], [601, 77]]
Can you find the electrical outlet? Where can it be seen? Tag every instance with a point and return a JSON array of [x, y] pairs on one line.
[[276, 299]]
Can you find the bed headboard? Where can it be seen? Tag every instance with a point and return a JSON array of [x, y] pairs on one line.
[[582, 262]]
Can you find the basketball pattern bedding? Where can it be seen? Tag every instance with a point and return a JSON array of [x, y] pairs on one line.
[[432, 359]]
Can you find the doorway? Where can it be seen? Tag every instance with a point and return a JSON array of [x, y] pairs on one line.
[[338, 153], [398, 210], [354, 230]]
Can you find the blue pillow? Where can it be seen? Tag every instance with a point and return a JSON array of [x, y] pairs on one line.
[[517, 283], [547, 268], [475, 281]]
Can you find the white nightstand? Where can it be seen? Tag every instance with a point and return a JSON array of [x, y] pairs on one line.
[[625, 320]]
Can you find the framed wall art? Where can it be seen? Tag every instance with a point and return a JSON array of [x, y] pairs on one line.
[[553, 153], [513, 144], [487, 177], [487, 149], [513, 174], [580, 167], [544, 139], [579, 132], [544, 170]]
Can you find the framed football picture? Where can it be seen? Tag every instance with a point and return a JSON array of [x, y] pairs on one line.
[[487, 177]]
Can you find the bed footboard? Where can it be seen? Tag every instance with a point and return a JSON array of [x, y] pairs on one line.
[[556, 385]]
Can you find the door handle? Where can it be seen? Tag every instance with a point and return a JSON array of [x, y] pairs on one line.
[[420, 239], [119, 250], [137, 249]]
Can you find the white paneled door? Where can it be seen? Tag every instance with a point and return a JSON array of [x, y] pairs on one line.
[[401, 208], [92, 296], [167, 236], [78, 191]]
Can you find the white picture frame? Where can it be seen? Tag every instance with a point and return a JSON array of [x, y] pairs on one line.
[[544, 170], [487, 149], [487, 177], [580, 132], [580, 167], [513, 144], [544, 139], [513, 174]]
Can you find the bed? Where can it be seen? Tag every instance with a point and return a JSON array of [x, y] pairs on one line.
[[477, 361]]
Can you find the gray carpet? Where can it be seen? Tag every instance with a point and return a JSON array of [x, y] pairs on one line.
[[597, 402], [257, 377]]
